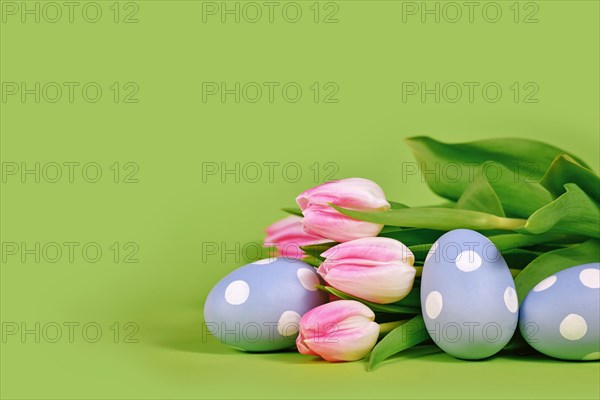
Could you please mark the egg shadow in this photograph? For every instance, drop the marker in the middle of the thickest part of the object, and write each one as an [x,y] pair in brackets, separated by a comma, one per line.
[536,357]
[191,335]
[292,356]
[186,331]
[434,354]
[190,339]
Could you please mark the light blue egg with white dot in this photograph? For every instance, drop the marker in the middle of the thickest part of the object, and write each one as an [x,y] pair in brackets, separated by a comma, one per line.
[258,306]
[560,316]
[468,296]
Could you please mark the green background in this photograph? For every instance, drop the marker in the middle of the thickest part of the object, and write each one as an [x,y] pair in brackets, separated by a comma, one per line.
[172,214]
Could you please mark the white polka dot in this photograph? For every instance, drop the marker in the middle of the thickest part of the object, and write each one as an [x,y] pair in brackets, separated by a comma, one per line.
[432,250]
[265,261]
[573,327]
[289,323]
[434,304]
[592,356]
[590,277]
[545,284]
[511,300]
[307,278]
[237,292]
[468,261]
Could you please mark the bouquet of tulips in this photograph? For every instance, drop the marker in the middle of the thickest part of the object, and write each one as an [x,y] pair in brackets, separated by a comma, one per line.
[536,204]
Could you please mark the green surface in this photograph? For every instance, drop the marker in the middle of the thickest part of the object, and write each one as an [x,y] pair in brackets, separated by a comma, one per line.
[181,223]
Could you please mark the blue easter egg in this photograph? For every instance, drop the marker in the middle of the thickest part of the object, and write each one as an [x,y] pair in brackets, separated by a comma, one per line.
[560,316]
[468,296]
[258,306]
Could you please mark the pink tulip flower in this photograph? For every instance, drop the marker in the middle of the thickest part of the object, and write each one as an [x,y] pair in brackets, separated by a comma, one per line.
[353,193]
[376,269]
[340,331]
[288,234]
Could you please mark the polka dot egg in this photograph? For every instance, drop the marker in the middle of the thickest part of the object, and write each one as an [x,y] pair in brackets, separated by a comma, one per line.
[560,317]
[258,307]
[468,296]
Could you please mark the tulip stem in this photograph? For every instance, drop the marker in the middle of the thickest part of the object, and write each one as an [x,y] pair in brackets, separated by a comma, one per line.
[419,271]
[444,219]
[387,327]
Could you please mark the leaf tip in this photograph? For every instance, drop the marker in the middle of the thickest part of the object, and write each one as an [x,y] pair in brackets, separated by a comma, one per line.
[371,363]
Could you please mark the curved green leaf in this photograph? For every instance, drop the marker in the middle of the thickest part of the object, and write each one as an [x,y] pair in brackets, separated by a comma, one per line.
[480,196]
[565,169]
[405,336]
[518,193]
[507,151]
[554,261]
[572,213]
[516,167]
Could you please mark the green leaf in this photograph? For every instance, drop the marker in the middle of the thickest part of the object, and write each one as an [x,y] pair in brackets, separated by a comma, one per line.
[511,152]
[513,168]
[401,338]
[555,261]
[516,240]
[265,252]
[420,250]
[313,261]
[390,229]
[480,196]
[396,205]
[519,258]
[392,308]
[316,250]
[565,169]
[572,213]
[435,218]
[446,204]
[293,211]
[411,236]
[412,299]
[518,193]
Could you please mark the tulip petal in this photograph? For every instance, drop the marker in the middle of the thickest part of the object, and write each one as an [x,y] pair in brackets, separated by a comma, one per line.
[382,284]
[339,331]
[371,249]
[327,222]
[333,313]
[288,235]
[354,193]
[346,345]
[302,347]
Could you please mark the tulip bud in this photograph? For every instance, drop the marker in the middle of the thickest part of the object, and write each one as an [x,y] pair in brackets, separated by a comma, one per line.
[353,193]
[376,269]
[340,331]
[288,234]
